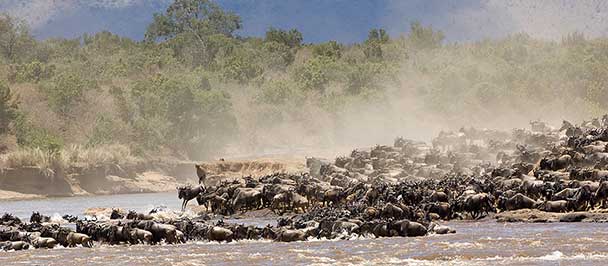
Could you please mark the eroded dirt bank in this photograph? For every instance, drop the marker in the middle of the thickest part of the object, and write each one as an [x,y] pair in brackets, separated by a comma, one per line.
[152,176]
[537,216]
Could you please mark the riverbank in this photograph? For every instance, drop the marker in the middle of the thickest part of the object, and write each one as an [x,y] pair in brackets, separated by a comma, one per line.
[151,176]
[537,216]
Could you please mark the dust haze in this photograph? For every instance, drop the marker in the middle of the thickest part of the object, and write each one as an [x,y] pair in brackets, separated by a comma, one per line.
[405,106]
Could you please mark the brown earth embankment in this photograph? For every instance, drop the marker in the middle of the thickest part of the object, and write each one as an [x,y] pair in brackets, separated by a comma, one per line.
[537,216]
[144,177]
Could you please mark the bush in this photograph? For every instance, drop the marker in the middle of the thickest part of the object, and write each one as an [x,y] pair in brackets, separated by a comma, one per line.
[372,50]
[104,132]
[30,136]
[8,108]
[240,68]
[424,37]
[31,72]
[292,38]
[314,74]
[276,92]
[65,91]
[280,55]
[177,113]
[330,49]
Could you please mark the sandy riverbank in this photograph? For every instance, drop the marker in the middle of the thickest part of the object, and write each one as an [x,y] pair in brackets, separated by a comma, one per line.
[150,177]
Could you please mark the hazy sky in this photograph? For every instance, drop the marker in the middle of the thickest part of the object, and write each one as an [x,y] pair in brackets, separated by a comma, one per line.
[322,20]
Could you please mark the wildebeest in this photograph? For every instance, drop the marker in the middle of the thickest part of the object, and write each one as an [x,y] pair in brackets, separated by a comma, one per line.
[188,193]
[201,173]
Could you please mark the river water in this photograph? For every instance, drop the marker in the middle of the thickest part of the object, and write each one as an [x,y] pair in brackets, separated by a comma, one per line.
[475,243]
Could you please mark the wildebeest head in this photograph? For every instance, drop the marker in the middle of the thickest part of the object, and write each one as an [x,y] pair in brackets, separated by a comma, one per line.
[36,217]
[131,215]
[182,191]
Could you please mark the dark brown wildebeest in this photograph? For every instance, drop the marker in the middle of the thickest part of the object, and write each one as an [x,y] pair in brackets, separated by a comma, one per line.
[188,193]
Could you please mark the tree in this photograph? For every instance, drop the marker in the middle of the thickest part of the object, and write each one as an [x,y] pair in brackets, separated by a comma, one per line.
[372,49]
[292,38]
[378,35]
[66,90]
[195,29]
[314,73]
[424,37]
[330,49]
[199,18]
[8,107]
[15,38]
[175,112]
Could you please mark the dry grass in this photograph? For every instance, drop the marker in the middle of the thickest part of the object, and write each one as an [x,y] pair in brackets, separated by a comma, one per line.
[28,158]
[74,156]
[80,156]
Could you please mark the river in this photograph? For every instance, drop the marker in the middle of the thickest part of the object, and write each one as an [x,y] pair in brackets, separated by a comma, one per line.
[475,243]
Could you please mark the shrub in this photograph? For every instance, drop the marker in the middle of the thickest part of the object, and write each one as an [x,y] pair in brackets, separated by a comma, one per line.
[65,91]
[314,74]
[8,108]
[30,136]
[331,49]
[31,72]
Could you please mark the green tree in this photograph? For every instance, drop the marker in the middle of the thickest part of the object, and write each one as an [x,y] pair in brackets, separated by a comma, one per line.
[199,18]
[280,55]
[424,37]
[15,38]
[8,108]
[65,91]
[176,112]
[292,38]
[331,49]
[196,30]
[378,35]
[240,67]
[372,49]
[32,136]
[314,73]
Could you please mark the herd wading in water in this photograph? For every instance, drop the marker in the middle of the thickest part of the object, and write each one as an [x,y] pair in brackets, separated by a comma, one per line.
[409,189]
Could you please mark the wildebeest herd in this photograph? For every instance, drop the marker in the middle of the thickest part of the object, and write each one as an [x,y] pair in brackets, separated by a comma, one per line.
[399,190]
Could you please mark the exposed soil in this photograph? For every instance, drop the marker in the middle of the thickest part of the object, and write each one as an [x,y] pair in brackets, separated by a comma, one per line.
[32,182]
[237,169]
[536,216]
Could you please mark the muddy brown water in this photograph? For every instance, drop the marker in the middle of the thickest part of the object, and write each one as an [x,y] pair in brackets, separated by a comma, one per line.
[475,243]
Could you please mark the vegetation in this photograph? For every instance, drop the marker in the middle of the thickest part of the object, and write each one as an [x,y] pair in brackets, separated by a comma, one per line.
[195,89]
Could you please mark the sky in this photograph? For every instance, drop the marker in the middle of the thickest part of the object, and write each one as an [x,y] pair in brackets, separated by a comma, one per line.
[346,21]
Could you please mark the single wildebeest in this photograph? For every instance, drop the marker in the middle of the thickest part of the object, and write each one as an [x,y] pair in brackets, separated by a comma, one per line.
[601,195]
[564,194]
[247,198]
[439,196]
[116,214]
[409,228]
[554,206]
[159,231]
[137,235]
[188,193]
[41,242]
[133,215]
[39,218]
[287,235]
[15,245]
[216,233]
[582,199]
[201,173]
[478,204]
[516,202]
[74,239]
